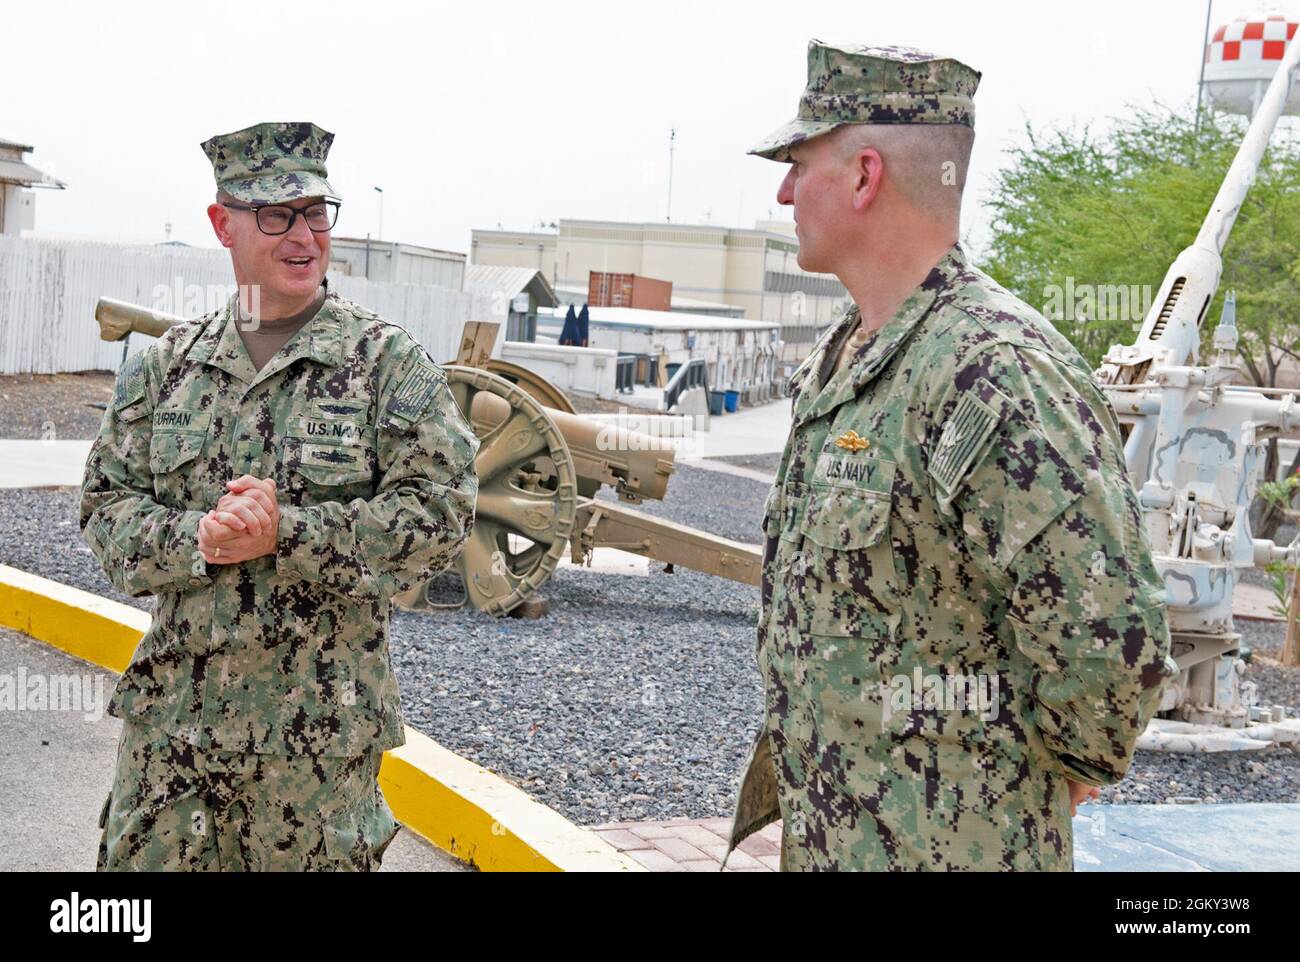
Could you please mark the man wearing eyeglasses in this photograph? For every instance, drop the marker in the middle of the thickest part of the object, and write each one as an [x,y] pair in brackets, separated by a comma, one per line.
[273,473]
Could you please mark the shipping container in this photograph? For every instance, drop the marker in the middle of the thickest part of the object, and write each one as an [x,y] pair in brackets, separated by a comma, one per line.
[606,289]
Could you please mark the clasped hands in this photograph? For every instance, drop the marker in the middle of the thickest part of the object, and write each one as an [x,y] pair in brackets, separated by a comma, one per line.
[244,523]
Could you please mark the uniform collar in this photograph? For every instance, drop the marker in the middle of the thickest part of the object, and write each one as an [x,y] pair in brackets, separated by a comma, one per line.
[320,339]
[871,358]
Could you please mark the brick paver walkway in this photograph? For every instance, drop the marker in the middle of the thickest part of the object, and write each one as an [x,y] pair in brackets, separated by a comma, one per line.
[693,845]
[1253,601]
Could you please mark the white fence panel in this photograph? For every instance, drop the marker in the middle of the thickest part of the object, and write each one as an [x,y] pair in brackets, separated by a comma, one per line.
[48,290]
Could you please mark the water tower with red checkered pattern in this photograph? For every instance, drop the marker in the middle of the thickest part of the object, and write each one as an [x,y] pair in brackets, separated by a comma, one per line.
[1242,57]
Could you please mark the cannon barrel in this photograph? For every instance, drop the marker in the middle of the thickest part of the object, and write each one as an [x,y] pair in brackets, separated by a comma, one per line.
[118,319]
[636,465]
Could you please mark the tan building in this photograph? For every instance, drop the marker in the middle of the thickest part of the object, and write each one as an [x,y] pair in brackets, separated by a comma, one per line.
[755,270]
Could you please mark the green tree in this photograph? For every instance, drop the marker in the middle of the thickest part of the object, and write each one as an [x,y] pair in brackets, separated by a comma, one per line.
[1108,212]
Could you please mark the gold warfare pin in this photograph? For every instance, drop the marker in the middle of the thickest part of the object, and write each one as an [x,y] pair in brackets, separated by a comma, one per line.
[852,441]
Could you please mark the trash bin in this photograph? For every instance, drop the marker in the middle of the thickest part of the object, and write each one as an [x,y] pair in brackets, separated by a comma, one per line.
[733,399]
[717,401]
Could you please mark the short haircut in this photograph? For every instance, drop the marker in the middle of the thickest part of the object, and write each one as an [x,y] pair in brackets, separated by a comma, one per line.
[927,163]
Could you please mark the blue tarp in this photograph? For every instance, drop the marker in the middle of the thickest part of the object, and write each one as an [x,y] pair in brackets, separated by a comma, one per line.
[569,333]
[584,326]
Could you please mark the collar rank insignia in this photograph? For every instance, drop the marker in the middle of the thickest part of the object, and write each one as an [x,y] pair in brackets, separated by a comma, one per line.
[852,441]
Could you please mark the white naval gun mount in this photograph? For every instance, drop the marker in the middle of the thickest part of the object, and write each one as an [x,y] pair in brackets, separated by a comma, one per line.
[1194,444]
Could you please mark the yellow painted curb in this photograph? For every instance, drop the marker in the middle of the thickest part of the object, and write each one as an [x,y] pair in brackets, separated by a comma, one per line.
[457,805]
[95,629]
[481,818]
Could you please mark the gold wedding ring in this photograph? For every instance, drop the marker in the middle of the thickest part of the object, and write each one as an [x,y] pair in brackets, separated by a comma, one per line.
[216,552]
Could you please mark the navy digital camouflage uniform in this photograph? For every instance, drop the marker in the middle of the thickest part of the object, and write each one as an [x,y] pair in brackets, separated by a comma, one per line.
[258,705]
[953,504]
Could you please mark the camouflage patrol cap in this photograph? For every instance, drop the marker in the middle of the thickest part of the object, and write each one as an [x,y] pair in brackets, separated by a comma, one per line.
[858,84]
[271,163]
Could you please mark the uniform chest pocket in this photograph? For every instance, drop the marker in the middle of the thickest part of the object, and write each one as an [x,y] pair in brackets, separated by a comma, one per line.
[177,439]
[331,465]
[174,464]
[845,519]
[171,450]
[326,453]
[848,581]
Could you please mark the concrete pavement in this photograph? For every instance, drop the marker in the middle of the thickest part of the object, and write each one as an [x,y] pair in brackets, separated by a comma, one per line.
[42,464]
[56,767]
[751,430]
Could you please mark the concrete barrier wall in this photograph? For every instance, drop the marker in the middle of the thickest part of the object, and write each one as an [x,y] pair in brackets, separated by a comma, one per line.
[582,370]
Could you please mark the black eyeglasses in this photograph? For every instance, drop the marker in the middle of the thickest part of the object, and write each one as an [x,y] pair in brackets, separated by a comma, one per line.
[276,219]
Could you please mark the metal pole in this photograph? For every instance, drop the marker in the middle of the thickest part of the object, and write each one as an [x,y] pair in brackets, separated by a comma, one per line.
[1205,53]
[380,235]
[672,138]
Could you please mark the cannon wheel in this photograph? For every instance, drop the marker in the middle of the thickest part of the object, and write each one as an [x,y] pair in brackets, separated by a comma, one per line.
[513,498]
[532,382]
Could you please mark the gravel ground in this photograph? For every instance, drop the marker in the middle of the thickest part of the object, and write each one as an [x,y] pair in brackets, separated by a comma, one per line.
[721,504]
[594,405]
[758,462]
[55,406]
[635,698]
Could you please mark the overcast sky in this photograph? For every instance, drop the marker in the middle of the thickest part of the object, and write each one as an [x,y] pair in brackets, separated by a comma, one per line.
[479,113]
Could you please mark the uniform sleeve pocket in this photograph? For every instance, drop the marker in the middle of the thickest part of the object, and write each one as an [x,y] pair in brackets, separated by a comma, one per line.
[133,411]
[1003,476]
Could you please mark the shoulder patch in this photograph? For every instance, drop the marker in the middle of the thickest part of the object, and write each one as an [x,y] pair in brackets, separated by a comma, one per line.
[130,381]
[416,391]
[962,439]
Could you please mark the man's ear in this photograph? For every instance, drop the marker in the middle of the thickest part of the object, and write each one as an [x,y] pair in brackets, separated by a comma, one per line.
[868,173]
[220,218]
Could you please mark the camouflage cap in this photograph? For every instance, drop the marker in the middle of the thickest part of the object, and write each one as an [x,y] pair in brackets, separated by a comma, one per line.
[858,84]
[270,163]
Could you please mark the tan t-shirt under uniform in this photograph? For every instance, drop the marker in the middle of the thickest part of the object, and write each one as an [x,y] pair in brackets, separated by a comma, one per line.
[264,340]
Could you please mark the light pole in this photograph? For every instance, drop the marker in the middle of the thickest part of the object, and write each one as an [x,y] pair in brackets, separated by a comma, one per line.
[380,235]
[1205,52]
[672,142]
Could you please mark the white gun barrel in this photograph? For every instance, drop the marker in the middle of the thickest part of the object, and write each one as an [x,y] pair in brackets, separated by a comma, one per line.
[1174,321]
[1241,175]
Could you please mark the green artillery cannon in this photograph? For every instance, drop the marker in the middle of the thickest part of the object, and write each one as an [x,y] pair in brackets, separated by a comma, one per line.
[539,467]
